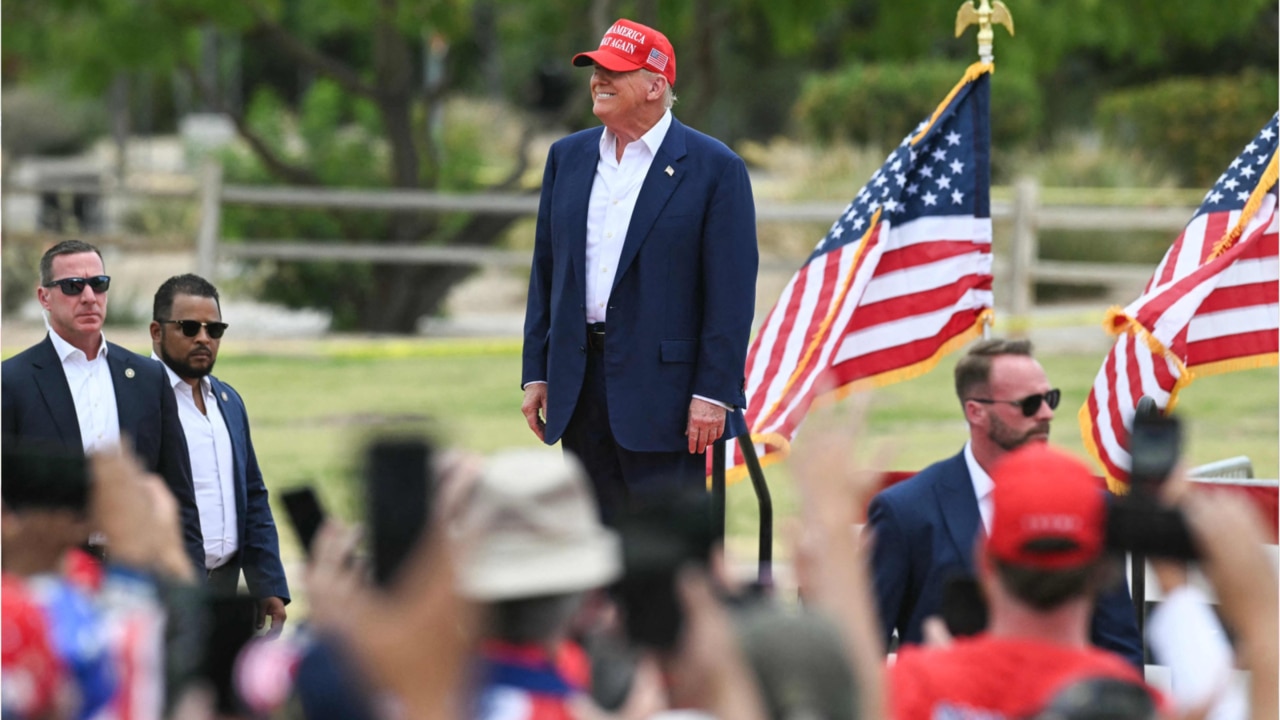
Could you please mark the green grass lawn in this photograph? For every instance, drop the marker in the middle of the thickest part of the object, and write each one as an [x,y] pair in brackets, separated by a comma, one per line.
[311,410]
[312,405]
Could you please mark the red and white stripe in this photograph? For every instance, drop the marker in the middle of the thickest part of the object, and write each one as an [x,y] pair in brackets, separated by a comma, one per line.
[1199,313]
[869,313]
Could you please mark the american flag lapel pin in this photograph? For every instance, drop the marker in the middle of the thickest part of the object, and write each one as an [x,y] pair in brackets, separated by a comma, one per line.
[669,171]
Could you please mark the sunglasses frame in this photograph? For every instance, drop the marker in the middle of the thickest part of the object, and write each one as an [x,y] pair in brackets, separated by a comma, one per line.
[65,284]
[215,329]
[1024,403]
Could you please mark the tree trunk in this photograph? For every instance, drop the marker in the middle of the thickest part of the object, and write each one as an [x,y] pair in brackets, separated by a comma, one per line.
[705,80]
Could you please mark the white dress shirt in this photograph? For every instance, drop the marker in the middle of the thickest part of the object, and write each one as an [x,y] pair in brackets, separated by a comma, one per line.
[212,470]
[982,487]
[92,392]
[613,199]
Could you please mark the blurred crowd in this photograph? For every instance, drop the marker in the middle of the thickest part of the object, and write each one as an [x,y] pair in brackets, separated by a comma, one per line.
[510,599]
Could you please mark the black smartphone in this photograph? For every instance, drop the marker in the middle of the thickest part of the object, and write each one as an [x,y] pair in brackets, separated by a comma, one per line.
[232,623]
[1142,526]
[305,513]
[964,609]
[36,474]
[657,540]
[399,490]
[1155,444]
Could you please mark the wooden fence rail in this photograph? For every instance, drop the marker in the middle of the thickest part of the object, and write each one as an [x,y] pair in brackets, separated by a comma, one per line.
[1026,207]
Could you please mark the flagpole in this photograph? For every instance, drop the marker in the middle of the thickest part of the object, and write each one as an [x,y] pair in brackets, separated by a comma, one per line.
[984,15]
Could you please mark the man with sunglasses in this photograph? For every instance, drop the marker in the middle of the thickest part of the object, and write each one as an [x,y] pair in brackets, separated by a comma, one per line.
[79,390]
[235,517]
[926,526]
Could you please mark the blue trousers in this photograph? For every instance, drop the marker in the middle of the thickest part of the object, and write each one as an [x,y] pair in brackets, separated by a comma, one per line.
[623,479]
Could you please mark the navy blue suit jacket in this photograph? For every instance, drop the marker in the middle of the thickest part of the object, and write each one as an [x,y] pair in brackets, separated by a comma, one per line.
[37,404]
[259,554]
[679,315]
[925,529]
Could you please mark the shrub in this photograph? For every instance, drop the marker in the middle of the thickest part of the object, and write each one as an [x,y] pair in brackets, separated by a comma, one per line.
[879,104]
[49,121]
[1193,125]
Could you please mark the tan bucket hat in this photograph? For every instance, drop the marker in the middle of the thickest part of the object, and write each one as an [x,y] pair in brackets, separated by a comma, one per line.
[532,529]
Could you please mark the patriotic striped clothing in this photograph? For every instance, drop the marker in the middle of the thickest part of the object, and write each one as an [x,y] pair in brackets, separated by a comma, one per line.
[29,668]
[522,682]
[80,639]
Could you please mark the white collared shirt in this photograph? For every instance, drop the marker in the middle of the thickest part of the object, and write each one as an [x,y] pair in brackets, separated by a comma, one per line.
[212,468]
[982,487]
[92,393]
[613,199]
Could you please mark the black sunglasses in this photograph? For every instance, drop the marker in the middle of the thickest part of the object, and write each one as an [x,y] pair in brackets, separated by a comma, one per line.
[75,285]
[1030,404]
[191,328]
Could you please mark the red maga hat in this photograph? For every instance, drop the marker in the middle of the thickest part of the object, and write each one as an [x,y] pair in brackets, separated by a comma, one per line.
[1048,510]
[630,46]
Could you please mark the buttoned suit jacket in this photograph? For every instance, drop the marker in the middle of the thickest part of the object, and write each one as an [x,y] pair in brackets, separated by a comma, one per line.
[680,308]
[259,553]
[37,405]
[924,533]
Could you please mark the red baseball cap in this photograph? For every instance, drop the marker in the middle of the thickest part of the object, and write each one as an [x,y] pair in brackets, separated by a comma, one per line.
[630,46]
[1048,510]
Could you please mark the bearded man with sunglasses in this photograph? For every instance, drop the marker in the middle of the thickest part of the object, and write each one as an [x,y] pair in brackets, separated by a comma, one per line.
[235,516]
[78,390]
[925,528]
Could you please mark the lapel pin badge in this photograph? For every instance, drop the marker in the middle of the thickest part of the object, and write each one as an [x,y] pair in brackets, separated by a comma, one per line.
[670,172]
[128,372]
[224,396]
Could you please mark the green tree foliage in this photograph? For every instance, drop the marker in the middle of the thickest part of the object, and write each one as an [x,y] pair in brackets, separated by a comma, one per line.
[878,104]
[363,118]
[1195,124]
[347,92]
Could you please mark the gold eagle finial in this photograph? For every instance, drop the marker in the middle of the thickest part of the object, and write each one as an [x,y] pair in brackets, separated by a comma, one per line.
[984,13]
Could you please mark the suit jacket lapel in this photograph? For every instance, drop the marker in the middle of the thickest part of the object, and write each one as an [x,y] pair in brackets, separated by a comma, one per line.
[575,187]
[122,379]
[959,508]
[239,455]
[657,189]
[52,383]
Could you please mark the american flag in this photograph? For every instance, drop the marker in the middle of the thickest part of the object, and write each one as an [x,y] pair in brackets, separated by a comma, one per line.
[902,277]
[658,59]
[1211,307]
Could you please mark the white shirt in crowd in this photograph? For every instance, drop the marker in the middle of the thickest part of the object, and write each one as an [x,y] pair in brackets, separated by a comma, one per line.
[212,470]
[92,393]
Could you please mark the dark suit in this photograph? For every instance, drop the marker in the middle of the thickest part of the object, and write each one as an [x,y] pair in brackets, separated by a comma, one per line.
[259,545]
[680,309]
[37,404]
[925,528]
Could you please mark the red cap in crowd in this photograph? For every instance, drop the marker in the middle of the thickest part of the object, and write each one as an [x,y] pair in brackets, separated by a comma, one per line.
[630,46]
[1048,511]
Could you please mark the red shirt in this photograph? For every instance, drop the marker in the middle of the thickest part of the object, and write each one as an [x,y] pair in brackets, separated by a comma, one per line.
[29,667]
[985,677]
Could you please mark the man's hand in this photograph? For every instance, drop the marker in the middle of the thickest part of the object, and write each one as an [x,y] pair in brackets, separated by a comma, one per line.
[706,425]
[274,607]
[534,408]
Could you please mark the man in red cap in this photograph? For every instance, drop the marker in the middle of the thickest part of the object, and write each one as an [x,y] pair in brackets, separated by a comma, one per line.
[1040,569]
[925,526]
[643,283]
